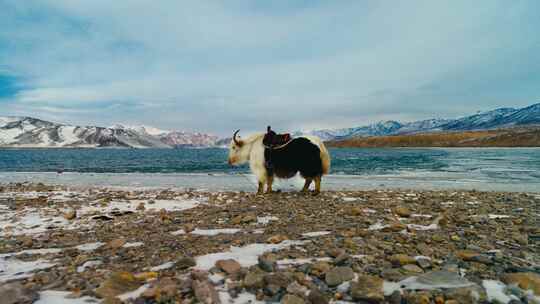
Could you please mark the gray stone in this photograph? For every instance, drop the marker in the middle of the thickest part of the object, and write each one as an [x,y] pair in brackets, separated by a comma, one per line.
[185,263]
[338,275]
[254,279]
[272,290]
[317,297]
[368,288]
[267,262]
[15,293]
[424,263]
[205,292]
[279,279]
[292,299]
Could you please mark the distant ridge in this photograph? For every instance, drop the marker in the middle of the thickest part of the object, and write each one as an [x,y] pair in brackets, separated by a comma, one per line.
[29,132]
[494,119]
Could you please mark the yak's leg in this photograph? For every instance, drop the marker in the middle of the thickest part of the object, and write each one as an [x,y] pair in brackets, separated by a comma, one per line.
[269,181]
[306,184]
[260,189]
[317,185]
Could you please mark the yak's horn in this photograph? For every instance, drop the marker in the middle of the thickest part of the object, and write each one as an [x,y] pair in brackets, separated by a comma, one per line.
[238,143]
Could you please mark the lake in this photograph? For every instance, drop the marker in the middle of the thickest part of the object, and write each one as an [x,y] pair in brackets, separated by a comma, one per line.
[508,169]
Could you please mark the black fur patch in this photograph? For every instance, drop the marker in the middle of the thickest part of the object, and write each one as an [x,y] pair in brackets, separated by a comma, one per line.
[300,155]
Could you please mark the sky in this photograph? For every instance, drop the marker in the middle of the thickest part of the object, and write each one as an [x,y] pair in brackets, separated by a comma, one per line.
[217,66]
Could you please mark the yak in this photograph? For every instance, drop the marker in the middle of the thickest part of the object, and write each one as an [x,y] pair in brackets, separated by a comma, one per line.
[306,154]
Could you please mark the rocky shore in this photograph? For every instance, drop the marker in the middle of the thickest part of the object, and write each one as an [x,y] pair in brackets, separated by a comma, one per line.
[98,245]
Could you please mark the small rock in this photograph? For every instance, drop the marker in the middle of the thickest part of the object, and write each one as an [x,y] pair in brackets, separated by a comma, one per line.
[15,293]
[276,239]
[368,288]
[467,255]
[525,280]
[423,297]
[144,276]
[403,211]
[278,279]
[394,227]
[292,299]
[424,263]
[272,290]
[319,268]
[254,279]
[117,243]
[402,259]
[189,228]
[205,292]
[296,289]
[412,268]
[317,297]
[141,206]
[70,214]
[338,275]
[267,262]
[185,263]
[230,266]
[117,283]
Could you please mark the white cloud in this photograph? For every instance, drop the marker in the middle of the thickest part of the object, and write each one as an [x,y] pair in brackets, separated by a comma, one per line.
[204,65]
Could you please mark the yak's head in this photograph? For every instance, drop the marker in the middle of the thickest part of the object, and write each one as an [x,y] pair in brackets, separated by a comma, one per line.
[238,151]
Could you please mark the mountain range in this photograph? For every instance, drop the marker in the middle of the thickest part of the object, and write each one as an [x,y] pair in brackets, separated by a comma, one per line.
[495,119]
[36,133]
[28,132]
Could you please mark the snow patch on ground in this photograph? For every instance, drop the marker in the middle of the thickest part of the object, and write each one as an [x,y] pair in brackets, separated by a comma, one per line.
[378,226]
[292,262]
[212,232]
[88,264]
[242,298]
[32,221]
[168,205]
[163,266]
[32,252]
[315,233]
[14,269]
[495,291]
[89,246]
[133,244]
[264,220]
[134,294]
[246,256]
[60,297]
[423,227]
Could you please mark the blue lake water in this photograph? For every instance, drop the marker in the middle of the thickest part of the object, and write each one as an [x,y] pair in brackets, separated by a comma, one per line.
[509,169]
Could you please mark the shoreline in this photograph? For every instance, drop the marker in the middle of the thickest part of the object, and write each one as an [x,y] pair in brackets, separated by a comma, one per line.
[150,245]
[414,179]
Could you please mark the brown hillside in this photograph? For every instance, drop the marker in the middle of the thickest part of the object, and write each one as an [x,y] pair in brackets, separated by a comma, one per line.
[517,137]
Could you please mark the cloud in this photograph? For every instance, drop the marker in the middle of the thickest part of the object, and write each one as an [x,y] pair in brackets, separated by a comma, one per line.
[215,67]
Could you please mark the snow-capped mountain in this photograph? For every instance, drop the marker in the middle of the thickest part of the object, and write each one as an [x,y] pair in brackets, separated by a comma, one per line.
[36,133]
[498,118]
[185,139]
[142,129]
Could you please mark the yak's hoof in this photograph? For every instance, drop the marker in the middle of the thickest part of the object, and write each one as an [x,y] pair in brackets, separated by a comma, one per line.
[315,193]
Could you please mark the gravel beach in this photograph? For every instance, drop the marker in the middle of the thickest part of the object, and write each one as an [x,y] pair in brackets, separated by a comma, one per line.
[75,245]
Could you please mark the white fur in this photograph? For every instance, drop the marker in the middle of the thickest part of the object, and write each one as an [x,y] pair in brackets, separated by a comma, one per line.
[252,151]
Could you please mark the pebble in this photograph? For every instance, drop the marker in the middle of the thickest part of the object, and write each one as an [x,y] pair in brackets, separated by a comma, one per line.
[368,288]
[338,275]
[15,293]
[403,211]
[292,299]
[230,266]
[525,280]
[205,292]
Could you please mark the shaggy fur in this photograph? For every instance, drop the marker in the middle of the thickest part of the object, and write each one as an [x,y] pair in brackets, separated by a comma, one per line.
[306,155]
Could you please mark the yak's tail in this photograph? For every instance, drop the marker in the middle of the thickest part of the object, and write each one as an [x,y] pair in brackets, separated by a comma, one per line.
[325,156]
